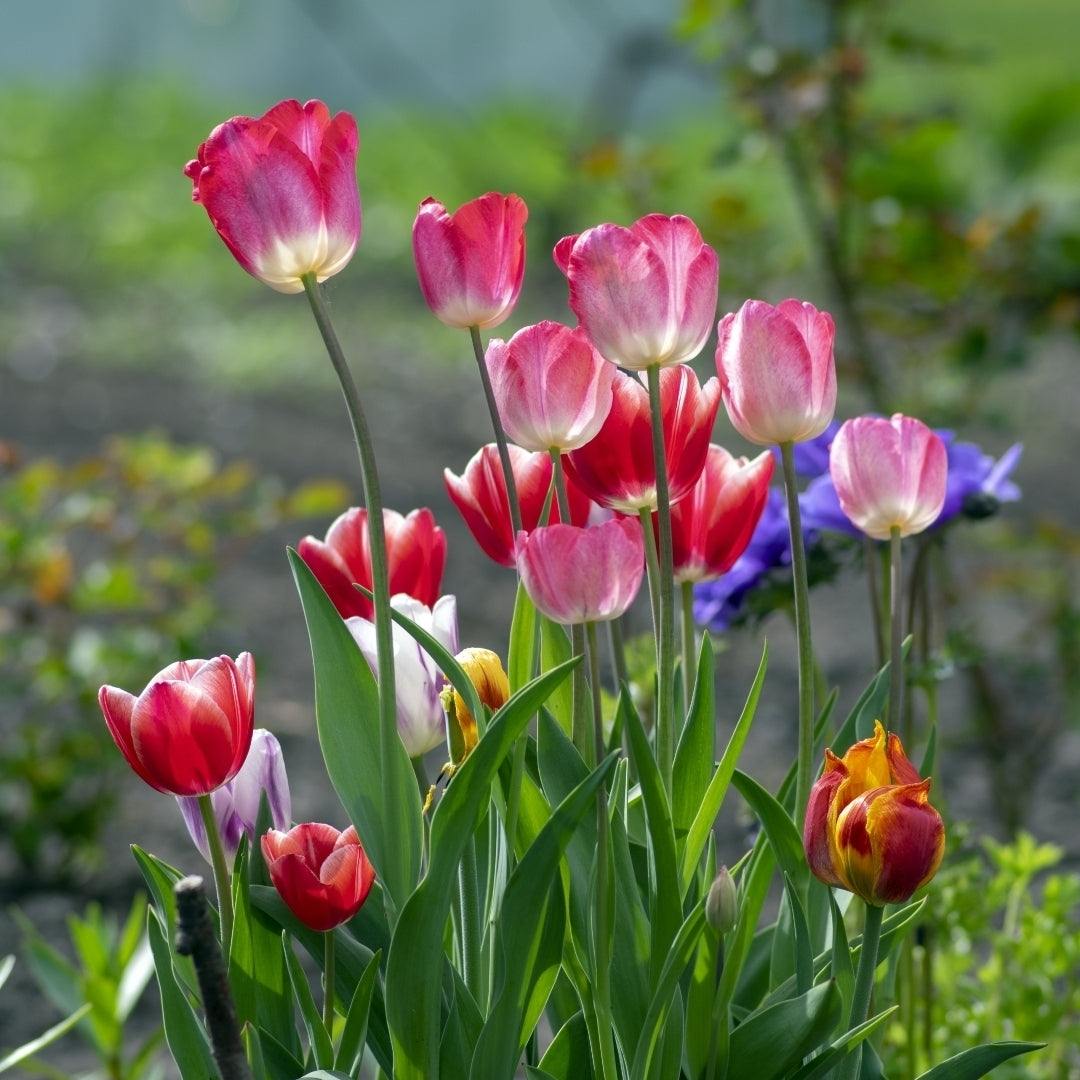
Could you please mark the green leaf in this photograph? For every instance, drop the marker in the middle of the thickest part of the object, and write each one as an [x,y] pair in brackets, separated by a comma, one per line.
[705,818]
[779,828]
[769,1043]
[839,1048]
[979,1060]
[413,995]
[569,1057]
[555,649]
[696,754]
[800,944]
[28,1050]
[384,809]
[531,931]
[521,653]
[354,1034]
[318,1037]
[7,964]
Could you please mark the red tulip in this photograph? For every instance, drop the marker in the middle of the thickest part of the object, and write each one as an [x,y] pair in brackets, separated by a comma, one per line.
[616,469]
[777,371]
[471,263]
[711,527]
[869,826]
[552,388]
[281,191]
[190,730]
[415,555]
[889,474]
[480,495]
[323,875]
[576,575]
[645,295]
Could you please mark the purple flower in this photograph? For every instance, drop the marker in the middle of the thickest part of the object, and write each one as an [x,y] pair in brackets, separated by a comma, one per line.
[236,803]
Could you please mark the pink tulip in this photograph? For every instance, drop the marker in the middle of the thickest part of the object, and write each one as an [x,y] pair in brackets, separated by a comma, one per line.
[552,388]
[480,496]
[712,526]
[576,575]
[777,371]
[471,263]
[889,474]
[616,469]
[281,191]
[190,730]
[415,554]
[645,295]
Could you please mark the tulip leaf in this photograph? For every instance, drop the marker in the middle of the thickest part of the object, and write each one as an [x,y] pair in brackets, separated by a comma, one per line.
[772,1041]
[555,649]
[696,753]
[28,1050]
[281,1064]
[569,1055]
[521,654]
[782,834]
[350,1049]
[839,1048]
[979,1060]
[705,817]
[384,809]
[318,1037]
[413,995]
[665,903]
[531,931]
[799,943]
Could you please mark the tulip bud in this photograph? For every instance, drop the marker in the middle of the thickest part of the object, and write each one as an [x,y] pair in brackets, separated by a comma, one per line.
[722,902]
[485,672]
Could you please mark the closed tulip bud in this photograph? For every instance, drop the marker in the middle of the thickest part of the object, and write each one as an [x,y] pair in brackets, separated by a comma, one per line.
[236,802]
[577,575]
[415,556]
[190,730]
[889,474]
[323,875]
[486,673]
[471,263]
[480,496]
[777,371]
[645,295]
[722,902]
[869,826]
[281,191]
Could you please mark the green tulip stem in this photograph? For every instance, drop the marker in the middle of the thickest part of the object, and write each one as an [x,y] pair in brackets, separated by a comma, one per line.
[896,637]
[380,580]
[221,871]
[558,481]
[864,985]
[805,768]
[328,982]
[579,722]
[500,435]
[686,589]
[665,591]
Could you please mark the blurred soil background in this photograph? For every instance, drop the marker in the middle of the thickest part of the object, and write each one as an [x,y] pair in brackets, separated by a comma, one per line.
[911,167]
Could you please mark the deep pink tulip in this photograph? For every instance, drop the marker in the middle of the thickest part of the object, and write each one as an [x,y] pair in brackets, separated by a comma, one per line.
[645,295]
[323,875]
[777,371]
[471,263]
[552,388]
[576,575]
[889,473]
[281,191]
[480,495]
[711,527]
[190,730]
[415,554]
[616,468]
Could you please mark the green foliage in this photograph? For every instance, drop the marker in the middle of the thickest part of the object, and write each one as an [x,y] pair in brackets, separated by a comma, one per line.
[104,573]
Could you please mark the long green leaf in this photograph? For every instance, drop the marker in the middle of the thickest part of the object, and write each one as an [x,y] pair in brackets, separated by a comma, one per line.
[568,1057]
[413,995]
[555,649]
[322,1049]
[779,828]
[831,1055]
[350,1049]
[347,717]
[28,1050]
[521,653]
[979,1060]
[694,758]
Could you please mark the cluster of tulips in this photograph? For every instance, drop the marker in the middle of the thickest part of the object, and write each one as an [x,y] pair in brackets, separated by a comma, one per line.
[602,472]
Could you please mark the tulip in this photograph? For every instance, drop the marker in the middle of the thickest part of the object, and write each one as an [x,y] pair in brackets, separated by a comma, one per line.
[869,826]
[551,386]
[236,802]
[722,902]
[713,525]
[486,673]
[777,371]
[645,295]
[471,263]
[421,722]
[889,474]
[576,575]
[480,496]
[616,468]
[281,191]
[323,875]
[415,555]
[189,731]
